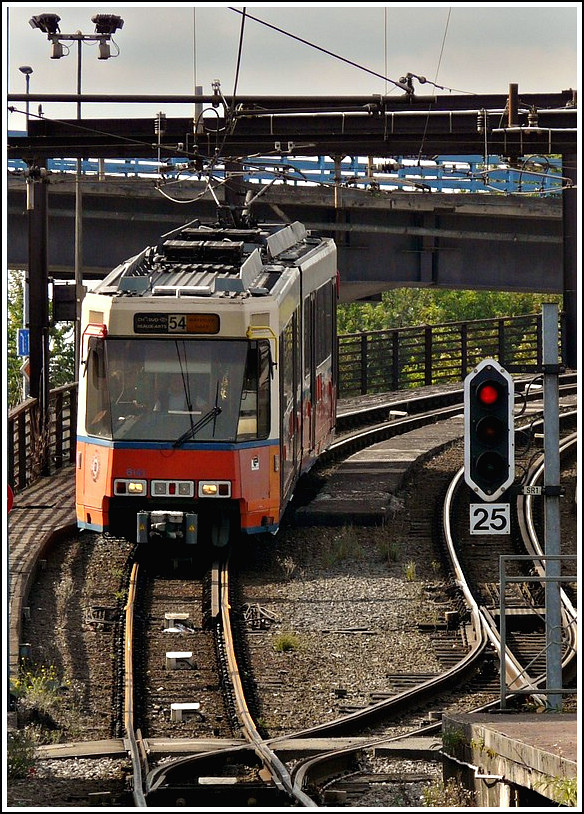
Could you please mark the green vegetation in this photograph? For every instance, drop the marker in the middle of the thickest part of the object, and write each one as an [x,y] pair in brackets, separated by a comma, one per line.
[564,789]
[410,571]
[447,795]
[37,686]
[342,545]
[452,738]
[61,347]
[406,307]
[285,642]
[20,748]
[48,706]
[389,550]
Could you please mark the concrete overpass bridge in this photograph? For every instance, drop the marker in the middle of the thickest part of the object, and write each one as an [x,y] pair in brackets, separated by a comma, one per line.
[386,239]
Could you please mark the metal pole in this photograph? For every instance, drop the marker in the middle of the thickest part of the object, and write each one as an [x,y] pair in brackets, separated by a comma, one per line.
[27,102]
[502,636]
[571,224]
[553,614]
[78,231]
[25,324]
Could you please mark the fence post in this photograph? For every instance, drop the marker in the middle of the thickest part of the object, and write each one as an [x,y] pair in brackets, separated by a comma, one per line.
[463,350]
[22,451]
[428,355]
[501,341]
[363,364]
[58,459]
[395,360]
[11,481]
[72,422]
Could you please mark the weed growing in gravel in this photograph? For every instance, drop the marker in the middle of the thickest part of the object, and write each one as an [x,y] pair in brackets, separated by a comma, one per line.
[37,685]
[19,754]
[453,738]
[288,566]
[49,706]
[343,545]
[389,550]
[285,642]
[450,794]
[410,571]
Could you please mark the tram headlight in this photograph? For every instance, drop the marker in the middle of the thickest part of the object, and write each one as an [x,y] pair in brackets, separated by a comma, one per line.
[127,486]
[214,488]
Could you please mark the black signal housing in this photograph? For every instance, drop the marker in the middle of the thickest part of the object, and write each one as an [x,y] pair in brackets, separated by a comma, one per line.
[489,435]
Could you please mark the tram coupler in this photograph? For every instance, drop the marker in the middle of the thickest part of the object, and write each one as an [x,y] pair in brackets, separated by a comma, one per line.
[167,525]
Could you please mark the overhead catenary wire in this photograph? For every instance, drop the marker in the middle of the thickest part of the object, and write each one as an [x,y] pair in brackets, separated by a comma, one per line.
[218,158]
[401,85]
[435,78]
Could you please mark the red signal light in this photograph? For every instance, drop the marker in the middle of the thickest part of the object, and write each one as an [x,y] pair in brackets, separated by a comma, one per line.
[488,393]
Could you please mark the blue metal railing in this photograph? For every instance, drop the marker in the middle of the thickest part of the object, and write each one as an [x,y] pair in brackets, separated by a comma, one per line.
[456,173]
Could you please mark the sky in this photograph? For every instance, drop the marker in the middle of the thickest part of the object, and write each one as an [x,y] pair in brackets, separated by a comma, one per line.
[467,48]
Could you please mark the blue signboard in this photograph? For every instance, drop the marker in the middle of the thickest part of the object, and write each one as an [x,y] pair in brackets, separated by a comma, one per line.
[22,340]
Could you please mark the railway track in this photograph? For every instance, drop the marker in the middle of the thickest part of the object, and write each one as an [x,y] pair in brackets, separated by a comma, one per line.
[258,773]
[524,660]
[162,780]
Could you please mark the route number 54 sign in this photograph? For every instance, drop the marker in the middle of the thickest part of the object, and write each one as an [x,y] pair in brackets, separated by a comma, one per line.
[490,518]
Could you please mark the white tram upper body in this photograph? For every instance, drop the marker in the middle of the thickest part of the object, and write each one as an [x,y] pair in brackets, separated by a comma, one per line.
[207,383]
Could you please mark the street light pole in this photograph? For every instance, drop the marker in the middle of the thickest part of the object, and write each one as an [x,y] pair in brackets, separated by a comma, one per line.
[78,229]
[26,70]
[105,26]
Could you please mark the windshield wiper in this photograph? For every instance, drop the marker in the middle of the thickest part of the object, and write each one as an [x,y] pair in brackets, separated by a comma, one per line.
[192,431]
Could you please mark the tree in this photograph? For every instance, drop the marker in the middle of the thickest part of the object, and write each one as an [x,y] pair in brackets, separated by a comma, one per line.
[406,307]
[61,344]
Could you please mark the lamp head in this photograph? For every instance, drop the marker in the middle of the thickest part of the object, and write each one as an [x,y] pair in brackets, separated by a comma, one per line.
[25,69]
[107,24]
[48,23]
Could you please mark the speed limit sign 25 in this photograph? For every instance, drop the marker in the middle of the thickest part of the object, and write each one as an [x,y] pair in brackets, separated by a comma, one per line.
[490,518]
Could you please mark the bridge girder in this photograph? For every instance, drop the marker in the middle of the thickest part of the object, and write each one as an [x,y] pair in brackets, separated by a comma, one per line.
[385,240]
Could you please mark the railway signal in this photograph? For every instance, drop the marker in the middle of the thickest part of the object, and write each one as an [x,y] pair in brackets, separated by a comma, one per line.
[489,436]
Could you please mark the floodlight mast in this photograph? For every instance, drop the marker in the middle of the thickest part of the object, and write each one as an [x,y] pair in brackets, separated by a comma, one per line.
[105,26]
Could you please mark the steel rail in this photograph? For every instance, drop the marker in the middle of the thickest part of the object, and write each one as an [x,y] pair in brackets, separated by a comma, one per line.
[514,670]
[525,515]
[534,547]
[277,769]
[132,743]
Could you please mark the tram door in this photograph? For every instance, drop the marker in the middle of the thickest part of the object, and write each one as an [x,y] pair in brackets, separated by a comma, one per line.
[290,404]
[309,375]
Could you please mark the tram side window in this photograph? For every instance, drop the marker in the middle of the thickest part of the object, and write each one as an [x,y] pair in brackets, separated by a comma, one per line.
[324,324]
[307,338]
[254,412]
[98,415]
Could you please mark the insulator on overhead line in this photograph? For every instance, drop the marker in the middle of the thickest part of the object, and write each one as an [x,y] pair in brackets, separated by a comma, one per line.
[481,121]
[160,124]
[532,118]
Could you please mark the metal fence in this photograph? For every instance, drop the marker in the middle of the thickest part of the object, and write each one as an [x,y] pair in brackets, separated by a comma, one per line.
[36,445]
[402,358]
[369,362]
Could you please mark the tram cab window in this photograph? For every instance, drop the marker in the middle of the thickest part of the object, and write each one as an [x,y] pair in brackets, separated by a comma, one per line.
[254,414]
[98,414]
[132,381]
